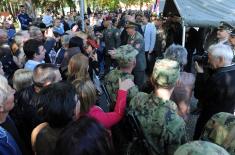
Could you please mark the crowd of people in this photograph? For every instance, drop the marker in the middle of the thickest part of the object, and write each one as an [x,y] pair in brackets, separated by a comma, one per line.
[122,86]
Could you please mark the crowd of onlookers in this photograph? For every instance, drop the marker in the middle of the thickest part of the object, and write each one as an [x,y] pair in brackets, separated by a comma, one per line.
[122,86]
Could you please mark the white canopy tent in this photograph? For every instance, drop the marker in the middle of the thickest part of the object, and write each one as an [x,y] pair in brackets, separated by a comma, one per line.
[201,13]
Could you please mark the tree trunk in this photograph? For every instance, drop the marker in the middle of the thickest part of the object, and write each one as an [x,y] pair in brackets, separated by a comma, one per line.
[141,4]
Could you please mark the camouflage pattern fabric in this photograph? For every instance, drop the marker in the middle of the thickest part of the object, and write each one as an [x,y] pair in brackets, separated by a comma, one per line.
[160,121]
[125,54]
[220,129]
[112,84]
[165,72]
[200,148]
[137,41]
[111,38]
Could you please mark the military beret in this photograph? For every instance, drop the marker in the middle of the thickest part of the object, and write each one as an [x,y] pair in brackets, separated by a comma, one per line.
[93,43]
[108,18]
[200,148]
[165,72]
[225,26]
[125,54]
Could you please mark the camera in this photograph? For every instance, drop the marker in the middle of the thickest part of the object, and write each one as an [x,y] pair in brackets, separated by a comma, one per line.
[201,59]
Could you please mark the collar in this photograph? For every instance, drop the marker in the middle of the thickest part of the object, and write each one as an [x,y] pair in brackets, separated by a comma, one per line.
[160,102]
[226,68]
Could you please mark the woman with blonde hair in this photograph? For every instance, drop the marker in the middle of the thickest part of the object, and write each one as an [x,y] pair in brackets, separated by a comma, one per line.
[87,93]
[78,68]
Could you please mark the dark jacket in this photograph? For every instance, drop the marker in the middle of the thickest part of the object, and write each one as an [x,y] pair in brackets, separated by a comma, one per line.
[24,21]
[68,55]
[217,92]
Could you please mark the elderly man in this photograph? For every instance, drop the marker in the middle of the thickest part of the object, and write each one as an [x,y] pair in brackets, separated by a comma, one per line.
[25,111]
[8,144]
[215,92]
[157,113]
[137,41]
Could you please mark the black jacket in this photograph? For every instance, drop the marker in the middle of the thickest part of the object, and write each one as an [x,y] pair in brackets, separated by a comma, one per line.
[217,92]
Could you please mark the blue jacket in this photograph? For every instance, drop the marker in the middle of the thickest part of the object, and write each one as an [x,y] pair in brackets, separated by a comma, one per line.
[8,145]
[150,33]
[24,21]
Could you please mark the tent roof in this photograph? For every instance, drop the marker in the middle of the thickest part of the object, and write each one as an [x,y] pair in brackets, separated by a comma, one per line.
[202,13]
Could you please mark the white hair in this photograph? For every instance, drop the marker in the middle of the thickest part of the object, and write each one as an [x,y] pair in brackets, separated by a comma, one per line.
[221,50]
[3,90]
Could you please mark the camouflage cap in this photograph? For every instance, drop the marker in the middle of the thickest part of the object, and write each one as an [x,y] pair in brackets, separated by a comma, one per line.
[165,72]
[200,148]
[220,130]
[125,54]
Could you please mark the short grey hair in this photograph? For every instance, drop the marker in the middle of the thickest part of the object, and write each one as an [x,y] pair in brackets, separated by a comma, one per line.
[19,37]
[22,78]
[65,39]
[221,50]
[4,87]
[177,53]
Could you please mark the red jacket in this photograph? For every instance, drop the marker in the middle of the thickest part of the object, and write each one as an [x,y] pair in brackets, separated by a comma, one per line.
[110,118]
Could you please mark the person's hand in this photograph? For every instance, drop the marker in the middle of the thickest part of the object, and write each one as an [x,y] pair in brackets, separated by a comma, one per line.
[49,33]
[75,27]
[126,84]
[198,68]
[94,56]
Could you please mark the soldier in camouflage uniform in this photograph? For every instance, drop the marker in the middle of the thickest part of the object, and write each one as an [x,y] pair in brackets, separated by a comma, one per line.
[220,129]
[126,58]
[111,37]
[137,41]
[200,148]
[157,113]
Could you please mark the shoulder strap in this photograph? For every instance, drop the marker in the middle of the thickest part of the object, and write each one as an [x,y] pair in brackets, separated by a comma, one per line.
[140,131]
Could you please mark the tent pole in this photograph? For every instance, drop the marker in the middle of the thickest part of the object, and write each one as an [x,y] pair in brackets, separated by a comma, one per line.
[82,11]
[184,33]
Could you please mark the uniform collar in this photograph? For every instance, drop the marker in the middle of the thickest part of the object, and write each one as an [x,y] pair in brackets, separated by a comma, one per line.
[160,102]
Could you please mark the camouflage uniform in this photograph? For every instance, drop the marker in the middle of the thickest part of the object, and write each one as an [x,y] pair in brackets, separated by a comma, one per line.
[137,41]
[200,148]
[159,119]
[124,55]
[111,38]
[220,129]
